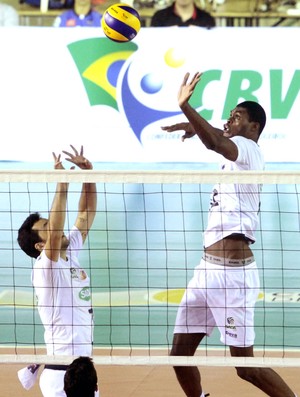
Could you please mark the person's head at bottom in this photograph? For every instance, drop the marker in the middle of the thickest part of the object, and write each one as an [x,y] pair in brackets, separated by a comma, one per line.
[81,378]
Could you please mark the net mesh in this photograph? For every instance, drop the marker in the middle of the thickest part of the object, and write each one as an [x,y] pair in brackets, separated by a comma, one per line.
[140,255]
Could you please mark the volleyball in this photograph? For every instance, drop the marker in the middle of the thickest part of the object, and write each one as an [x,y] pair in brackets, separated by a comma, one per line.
[121,22]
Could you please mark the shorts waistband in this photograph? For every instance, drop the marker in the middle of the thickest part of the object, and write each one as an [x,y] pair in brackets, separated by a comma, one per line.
[56,367]
[216,260]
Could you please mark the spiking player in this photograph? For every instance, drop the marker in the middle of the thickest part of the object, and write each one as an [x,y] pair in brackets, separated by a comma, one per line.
[225,285]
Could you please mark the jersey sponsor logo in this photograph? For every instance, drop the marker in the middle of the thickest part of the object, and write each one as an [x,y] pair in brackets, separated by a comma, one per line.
[85,294]
[78,274]
[230,326]
[230,323]
[231,334]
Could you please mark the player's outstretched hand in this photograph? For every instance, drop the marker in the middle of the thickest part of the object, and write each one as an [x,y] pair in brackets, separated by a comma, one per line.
[187,88]
[57,162]
[78,159]
[187,127]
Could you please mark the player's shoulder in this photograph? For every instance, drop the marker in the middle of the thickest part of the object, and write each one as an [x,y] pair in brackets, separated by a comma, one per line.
[243,140]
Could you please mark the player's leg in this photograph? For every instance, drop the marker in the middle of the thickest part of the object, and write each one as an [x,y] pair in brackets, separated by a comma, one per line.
[188,377]
[266,379]
[239,334]
[194,320]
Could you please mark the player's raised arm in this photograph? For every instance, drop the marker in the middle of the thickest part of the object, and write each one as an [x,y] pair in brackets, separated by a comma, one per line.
[211,137]
[88,199]
[54,226]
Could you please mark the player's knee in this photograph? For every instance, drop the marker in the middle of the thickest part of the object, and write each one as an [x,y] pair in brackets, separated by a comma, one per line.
[181,350]
[248,374]
[185,344]
[180,347]
[176,351]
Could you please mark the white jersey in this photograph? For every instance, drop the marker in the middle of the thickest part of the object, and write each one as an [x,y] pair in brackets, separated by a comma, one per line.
[234,207]
[64,301]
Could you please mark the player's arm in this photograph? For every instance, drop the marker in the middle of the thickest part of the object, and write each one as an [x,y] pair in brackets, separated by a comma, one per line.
[86,209]
[211,137]
[56,220]
[88,198]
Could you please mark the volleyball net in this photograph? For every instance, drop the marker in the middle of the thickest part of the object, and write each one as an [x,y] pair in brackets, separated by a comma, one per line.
[140,254]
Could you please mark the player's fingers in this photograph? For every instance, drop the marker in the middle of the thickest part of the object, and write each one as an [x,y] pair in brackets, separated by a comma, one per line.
[169,128]
[55,157]
[75,150]
[68,154]
[195,76]
[175,127]
[185,79]
[195,80]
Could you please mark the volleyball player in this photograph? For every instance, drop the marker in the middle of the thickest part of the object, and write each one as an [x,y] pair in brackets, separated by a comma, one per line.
[225,285]
[81,378]
[62,287]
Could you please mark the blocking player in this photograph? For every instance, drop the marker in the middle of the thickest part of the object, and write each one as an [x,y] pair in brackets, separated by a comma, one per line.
[62,287]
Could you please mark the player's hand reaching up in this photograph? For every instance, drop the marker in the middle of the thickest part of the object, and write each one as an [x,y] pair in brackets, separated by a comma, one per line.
[57,162]
[187,88]
[78,159]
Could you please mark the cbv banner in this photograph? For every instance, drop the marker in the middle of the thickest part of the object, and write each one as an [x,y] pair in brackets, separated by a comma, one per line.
[62,86]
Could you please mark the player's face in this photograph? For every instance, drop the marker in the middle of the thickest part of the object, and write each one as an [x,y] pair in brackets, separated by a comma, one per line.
[237,124]
[41,226]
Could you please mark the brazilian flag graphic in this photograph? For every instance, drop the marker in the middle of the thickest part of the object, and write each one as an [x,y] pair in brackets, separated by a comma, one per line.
[99,61]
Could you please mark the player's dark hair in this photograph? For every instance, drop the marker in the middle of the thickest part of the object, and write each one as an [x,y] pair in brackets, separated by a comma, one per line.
[27,237]
[81,378]
[255,112]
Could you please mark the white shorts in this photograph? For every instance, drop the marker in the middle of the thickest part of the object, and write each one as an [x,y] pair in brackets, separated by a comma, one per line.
[221,296]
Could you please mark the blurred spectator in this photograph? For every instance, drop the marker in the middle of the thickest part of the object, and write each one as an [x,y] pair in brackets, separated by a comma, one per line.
[182,13]
[8,15]
[82,15]
[51,4]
